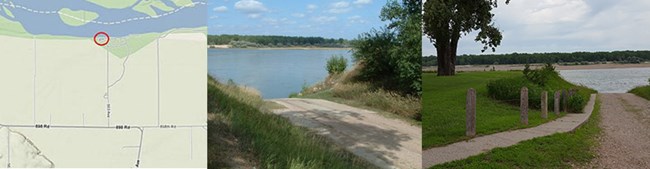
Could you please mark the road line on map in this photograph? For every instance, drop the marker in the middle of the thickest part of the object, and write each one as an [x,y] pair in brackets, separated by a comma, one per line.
[137,164]
[8,148]
[191,145]
[34,83]
[158,77]
[123,68]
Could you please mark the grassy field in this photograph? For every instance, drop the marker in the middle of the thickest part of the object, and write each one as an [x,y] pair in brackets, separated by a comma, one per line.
[642,91]
[262,139]
[562,150]
[444,107]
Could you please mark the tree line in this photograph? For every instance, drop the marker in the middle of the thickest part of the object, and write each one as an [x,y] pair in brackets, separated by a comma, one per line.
[275,41]
[561,58]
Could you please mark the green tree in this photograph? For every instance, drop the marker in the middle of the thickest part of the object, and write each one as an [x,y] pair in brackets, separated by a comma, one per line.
[391,56]
[445,21]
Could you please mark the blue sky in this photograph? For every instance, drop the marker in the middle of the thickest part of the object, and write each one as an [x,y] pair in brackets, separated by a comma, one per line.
[565,26]
[326,18]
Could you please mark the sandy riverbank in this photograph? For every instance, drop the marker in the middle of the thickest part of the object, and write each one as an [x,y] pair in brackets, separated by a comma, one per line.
[278,48]
[471,68]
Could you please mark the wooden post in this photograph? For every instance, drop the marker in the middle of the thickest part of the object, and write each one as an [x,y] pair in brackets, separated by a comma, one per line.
[557,103]
[523,102]
[565,100]
[470,113]
[544,104]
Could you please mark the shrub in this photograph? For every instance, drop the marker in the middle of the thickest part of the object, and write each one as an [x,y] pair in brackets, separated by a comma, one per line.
[537,81]
[540,76]
[576,103]
[509,91]
[336,64]
[392,56]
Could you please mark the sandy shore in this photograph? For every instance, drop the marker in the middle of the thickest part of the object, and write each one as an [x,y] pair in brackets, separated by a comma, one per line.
[282,48]
[219,46]
[471,68]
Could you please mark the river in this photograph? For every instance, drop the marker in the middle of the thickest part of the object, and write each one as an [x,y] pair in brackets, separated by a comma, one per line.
[275,73]
[618,80]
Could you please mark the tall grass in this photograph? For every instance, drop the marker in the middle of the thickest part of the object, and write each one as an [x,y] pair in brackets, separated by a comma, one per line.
[344,88]
[275,142]
[642,91]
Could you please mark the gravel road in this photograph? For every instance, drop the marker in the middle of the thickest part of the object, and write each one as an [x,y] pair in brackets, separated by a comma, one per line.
[625,142]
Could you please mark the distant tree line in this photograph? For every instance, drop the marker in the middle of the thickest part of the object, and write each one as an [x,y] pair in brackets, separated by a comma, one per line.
[560,58]
[275,41]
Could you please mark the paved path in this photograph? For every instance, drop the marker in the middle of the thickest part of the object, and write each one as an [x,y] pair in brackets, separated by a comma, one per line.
[385,142]
[475,146]
[625,142]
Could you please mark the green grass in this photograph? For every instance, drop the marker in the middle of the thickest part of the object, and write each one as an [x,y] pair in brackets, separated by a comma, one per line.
[273,140]
[444,107]
[642,91]
[562,150]
[343,88]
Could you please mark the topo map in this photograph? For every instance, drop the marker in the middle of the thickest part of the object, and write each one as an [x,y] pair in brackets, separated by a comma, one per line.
[103,83]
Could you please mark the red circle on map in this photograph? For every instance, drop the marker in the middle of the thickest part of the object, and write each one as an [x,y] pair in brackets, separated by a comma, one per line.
[101,33]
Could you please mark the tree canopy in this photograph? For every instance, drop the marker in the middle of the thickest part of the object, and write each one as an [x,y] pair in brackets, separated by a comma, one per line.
[445,21]
[391,56]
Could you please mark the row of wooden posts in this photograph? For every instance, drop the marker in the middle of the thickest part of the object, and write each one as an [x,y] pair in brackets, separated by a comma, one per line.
[470,109]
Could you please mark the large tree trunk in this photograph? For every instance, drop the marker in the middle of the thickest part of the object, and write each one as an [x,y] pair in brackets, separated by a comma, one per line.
[446,61]
[447,55]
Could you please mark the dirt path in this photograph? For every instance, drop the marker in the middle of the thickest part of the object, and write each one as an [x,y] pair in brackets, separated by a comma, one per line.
[385,142]
[625,142]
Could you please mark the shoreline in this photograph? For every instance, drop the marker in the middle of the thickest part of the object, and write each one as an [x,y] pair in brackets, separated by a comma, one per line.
[279,48]
[473,68]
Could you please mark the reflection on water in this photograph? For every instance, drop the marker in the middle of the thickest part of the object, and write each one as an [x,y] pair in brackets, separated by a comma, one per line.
[608,80]
[275,73]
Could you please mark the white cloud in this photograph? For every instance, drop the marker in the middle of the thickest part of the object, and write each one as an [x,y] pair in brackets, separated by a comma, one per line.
[324,19]
[214,17]
[565,26]
[252,8]
[298,15]
[312,7]
[220,9]
[356,19]
[304,26]
[275,22]
[339,7]
[362,2]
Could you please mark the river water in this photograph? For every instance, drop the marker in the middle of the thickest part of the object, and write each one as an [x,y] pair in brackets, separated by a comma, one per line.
[275,73]
[618,80]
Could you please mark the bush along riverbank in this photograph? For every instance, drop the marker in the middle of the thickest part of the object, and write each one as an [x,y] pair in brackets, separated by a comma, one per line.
[388,74]
[242,129]
[544,79]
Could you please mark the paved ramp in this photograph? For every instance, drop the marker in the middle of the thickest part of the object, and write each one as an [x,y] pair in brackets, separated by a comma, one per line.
[385,142]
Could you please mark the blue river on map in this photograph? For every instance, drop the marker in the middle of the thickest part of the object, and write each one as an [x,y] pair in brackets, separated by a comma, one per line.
[51,24]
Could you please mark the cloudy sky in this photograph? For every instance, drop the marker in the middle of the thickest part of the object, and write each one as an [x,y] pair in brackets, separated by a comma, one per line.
[565,26]
[326,18]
